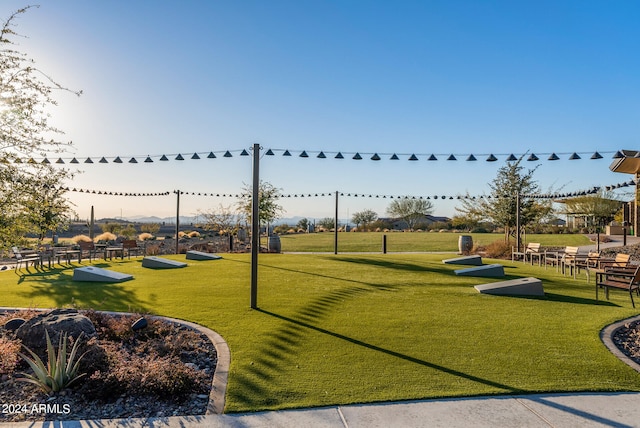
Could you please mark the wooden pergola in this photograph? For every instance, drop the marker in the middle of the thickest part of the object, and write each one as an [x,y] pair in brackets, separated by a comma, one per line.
[629,163]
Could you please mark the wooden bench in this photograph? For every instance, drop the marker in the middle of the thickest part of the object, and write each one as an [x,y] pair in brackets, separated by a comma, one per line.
[35,259]
[621,280]
[532,250]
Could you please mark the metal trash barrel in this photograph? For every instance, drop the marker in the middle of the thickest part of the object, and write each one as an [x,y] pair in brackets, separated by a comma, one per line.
[273,244]
[465,244]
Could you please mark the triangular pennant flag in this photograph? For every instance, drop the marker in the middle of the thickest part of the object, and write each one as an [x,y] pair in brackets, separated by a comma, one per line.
[179,157]
[321,155]
[512,158]
[596,155]
[394,157]
[532,158]
[88,160]
[74,160]
[148,159]
[553,157]
[244,153]
[133,160]
[117,160]
[451,158]
[59,160]
[357,156]
[413,157]
[103,160]
[432,158]
[211,156]
[195,156]
[269,153]
[492,158]
[304,154]
[164,158]
[575,156]
[339,156]
[375,157]
[471,158]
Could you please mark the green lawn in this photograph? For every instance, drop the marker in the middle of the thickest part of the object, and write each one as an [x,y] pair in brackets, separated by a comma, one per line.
[365,328]
[408,242]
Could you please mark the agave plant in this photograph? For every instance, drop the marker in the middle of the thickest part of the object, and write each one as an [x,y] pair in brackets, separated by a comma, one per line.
[61,369]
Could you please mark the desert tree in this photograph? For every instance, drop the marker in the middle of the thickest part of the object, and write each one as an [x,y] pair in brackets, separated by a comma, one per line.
[364,218]
[511,186]
[410,210]
[221,220]
[268,207]
[26,97]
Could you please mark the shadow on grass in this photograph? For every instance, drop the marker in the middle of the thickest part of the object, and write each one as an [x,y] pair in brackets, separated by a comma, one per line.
[280,349]
[56,285]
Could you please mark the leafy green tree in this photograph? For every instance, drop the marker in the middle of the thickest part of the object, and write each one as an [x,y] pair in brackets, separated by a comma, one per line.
[510,186]
[364,218]
[268,207]
[410,210]
[303,224]
[26,95]
[47,210]
[327,223]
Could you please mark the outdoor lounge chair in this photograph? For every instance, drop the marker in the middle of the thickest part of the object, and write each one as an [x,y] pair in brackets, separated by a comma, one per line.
[532,251]
[20,258]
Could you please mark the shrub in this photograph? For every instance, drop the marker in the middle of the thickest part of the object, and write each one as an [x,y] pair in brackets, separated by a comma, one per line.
[9,350]
[106,236]
[164,377]
[145,237]
[497,250]
[194,234]
[81,238]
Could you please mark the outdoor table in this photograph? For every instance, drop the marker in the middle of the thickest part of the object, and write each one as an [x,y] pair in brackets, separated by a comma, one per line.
[111,250]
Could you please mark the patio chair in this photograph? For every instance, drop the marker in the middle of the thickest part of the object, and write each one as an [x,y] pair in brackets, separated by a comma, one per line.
[131,246]
[35,259]
[621,280]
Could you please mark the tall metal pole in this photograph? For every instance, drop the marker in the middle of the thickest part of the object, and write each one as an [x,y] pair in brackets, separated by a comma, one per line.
[255,226]
[335,228]
[177,218]
[518,222]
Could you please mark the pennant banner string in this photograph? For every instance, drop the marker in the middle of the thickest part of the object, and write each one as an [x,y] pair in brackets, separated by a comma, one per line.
[590,191]
[488,157]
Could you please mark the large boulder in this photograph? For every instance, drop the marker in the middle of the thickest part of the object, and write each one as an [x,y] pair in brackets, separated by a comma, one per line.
[56,322]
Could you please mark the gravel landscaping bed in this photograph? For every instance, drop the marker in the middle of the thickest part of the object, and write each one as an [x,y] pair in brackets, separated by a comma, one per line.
[163,370]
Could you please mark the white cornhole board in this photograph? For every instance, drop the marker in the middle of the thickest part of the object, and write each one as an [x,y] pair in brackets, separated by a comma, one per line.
[199,255]
[94,274]
[516,287]
[493,271]
[154,262]
[467,260]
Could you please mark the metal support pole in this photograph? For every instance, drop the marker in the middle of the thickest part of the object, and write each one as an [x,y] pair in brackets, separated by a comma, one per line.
[177,218]
[384,244]
[518,243]
[335,228]
[255,226]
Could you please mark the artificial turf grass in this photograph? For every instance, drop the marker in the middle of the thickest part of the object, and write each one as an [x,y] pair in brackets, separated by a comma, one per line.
[410,241]
[362,328]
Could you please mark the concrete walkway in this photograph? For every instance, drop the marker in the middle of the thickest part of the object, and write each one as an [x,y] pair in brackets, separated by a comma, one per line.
[539,410]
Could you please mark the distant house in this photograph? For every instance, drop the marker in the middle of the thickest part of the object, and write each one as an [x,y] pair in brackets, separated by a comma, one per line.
[400,224]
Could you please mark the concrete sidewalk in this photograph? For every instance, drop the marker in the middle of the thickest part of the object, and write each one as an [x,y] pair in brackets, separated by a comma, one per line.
[538,410]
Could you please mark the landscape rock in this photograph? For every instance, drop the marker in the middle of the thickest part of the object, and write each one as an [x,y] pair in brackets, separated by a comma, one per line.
[14,324]
[56,322]
[139,324]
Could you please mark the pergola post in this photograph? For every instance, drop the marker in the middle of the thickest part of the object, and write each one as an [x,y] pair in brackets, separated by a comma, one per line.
[635,220]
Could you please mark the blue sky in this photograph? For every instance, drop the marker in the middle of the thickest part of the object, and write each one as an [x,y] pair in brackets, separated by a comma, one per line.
[461,77]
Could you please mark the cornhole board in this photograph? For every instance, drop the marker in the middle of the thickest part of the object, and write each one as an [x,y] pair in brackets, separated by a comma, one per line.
[154,262]
[516,287]
[95,274]
[199,255]
[493,271]
[466,260]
